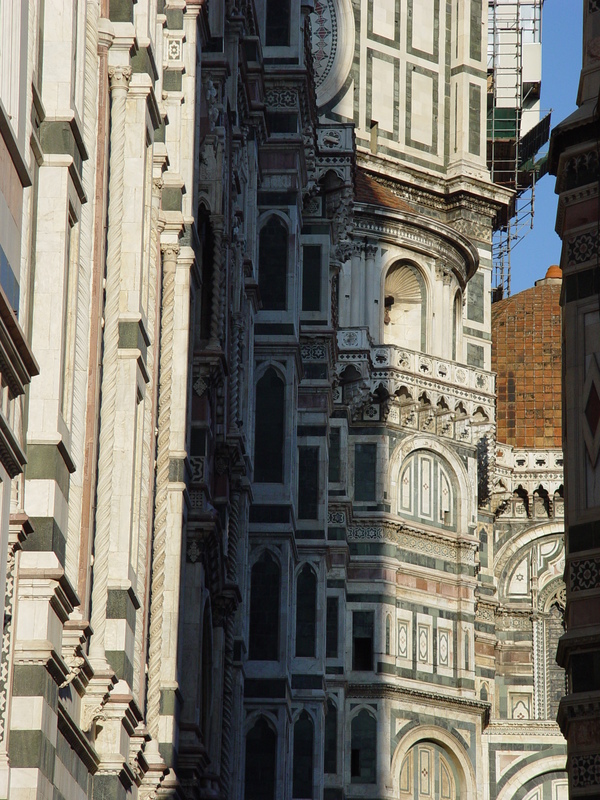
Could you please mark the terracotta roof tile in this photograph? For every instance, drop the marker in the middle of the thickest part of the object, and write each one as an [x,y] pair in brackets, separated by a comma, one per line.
[527,357]
[369,191]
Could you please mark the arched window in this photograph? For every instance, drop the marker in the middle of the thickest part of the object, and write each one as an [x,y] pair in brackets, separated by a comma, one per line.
[277,31]
[405,308]
[306,612]
[264,609]
[272,262]
[330,745]
[269,428]
[364,748]
[428,772]
[426,490]
[261,760]
[302,778]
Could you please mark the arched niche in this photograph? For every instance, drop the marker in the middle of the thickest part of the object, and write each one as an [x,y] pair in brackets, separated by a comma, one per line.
[405,308]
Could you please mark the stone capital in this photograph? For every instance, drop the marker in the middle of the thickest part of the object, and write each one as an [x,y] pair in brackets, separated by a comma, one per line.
[358,248]
[170,251]
[119,77]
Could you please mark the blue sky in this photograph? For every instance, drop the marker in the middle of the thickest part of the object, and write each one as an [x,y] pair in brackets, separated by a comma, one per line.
[561,65]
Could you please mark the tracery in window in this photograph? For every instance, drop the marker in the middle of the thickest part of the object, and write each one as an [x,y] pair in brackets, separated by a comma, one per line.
[428,773]
[426,490]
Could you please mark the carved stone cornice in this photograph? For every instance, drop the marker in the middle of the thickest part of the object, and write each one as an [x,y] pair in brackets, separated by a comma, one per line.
[390,691]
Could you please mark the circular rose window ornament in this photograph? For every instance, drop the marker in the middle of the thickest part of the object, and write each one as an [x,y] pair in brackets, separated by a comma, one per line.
[332,46]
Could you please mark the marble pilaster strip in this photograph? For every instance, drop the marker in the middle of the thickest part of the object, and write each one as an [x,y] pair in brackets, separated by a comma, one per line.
[169,265]
[119,82]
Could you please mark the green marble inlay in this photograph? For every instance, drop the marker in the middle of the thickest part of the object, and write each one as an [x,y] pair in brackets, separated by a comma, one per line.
[122,604]
[172,195]
[45,462]
[121,664]
[30,749]
[108,787]
[47,537]
[170,701]
[475,298]
[143,62]
[120,10]
[172,81]
[34,680]
[475,355]
[475,30]
[474,119]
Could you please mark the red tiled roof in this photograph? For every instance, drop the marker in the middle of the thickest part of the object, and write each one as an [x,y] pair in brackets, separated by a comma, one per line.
[369,191]
[527,356]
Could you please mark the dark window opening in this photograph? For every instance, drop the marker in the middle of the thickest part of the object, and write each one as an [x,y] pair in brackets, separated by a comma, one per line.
[282,122]
[308,482]
[354,763]
[330,748]
[272,265]
[331,647]
[302,777]
[207,240]
[362,640]
[387,636]
[365,465]
[311,277]
[269,429]
[364,748]
[261,758]
[306,612]
[277,33]
[206,680]
[335,455]
[585,672]
[264,610]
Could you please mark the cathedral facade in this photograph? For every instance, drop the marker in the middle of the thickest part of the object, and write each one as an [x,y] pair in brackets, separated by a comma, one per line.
[282,510]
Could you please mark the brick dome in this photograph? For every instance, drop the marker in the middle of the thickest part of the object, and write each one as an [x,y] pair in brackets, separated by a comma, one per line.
[527,356]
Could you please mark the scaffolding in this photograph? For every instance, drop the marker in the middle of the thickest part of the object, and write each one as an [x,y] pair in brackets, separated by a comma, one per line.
[515,133]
